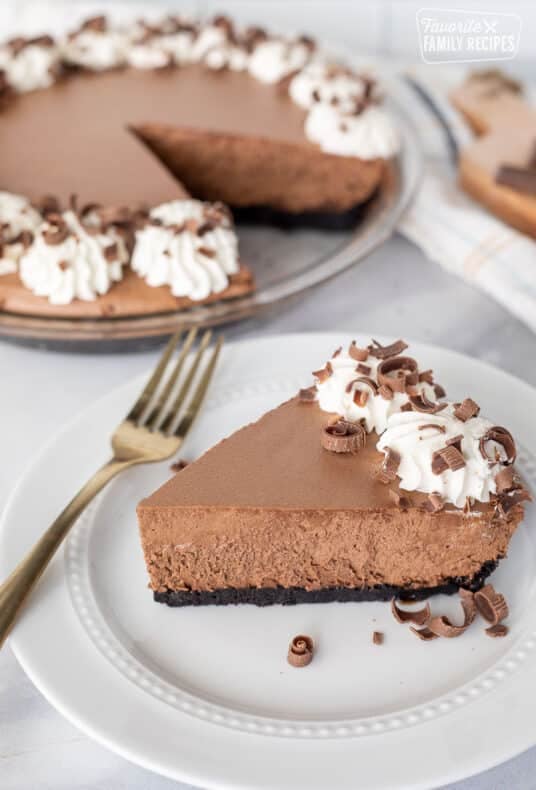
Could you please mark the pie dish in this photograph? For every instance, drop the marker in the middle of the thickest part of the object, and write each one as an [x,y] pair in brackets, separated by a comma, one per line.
[369,484]
[172,121]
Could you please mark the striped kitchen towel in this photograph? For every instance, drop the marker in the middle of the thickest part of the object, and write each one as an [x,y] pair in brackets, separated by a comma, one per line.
[451,228]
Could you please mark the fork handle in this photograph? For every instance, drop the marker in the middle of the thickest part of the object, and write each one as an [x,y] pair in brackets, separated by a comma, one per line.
[17,587]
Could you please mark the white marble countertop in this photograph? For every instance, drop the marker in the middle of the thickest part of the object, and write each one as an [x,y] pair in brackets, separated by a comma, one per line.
[42,390]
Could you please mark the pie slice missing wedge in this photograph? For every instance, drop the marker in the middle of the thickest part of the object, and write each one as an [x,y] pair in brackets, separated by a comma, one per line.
[374,488]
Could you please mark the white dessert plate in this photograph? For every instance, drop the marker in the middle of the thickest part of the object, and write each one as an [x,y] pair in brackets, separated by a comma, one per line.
[205,695]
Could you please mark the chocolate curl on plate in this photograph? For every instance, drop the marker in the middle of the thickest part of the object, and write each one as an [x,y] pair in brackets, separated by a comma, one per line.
[343,436]
[398,373]
[415,616]
[491,604]
[500,436]
[424,634]
[384,352]
[300,651]
[442,626]
[498,630]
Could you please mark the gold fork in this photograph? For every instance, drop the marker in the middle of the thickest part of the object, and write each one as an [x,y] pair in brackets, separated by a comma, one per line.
[153,430]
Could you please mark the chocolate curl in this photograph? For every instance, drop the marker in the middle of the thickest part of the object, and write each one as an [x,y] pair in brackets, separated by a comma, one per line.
[423,404]
[386,392]
[432,426]
[504,480]
[417,616]
[424,634]
[343,436]
[503,437]
[498,630]
[442,626]
[307,395]
[57,231]
[377,637]
[398,373]
[300,651]
[387,472]
[359,354]
[384,352]
[434,503]
[361,396]
[323,374]
[449,457]
[466,410]
[491,604]
[427,376]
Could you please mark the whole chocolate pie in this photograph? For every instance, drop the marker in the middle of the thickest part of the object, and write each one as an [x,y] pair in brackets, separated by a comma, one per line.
[132,138]
[376,486]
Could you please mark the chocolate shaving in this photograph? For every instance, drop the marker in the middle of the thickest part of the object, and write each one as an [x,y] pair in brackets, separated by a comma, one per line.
[300,651]
[508,500]
[427,376]
[111,252]
[491,604]
[336,352]
[466,409]
[439,391]
[432,425]
[207,252]
[307,394]
[386,392]
[377,637]
[422,403]
[48,204]
[442,626]
[406,407]
[324,374]
[504,480]
[364,369]
[455,441]
[448,457]
[97,24]
[503,437]
[363,380]
[178,466]
[387,471]
[57,231]
[343,436]
[384,352]
[434,503]
[359,354]
[498,630]
[398,373]
[424,633]
[417,616]
[402,501]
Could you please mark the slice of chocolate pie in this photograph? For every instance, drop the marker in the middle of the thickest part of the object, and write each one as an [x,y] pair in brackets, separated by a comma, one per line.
[365,486]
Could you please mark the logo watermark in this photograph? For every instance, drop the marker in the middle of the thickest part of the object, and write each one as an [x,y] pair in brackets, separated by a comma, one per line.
[449,35]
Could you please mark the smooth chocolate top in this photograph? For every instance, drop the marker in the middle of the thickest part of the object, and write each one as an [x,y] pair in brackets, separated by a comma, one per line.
[74,136]
[279,461]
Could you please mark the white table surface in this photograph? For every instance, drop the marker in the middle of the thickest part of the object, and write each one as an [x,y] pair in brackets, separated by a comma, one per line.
[41,390]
